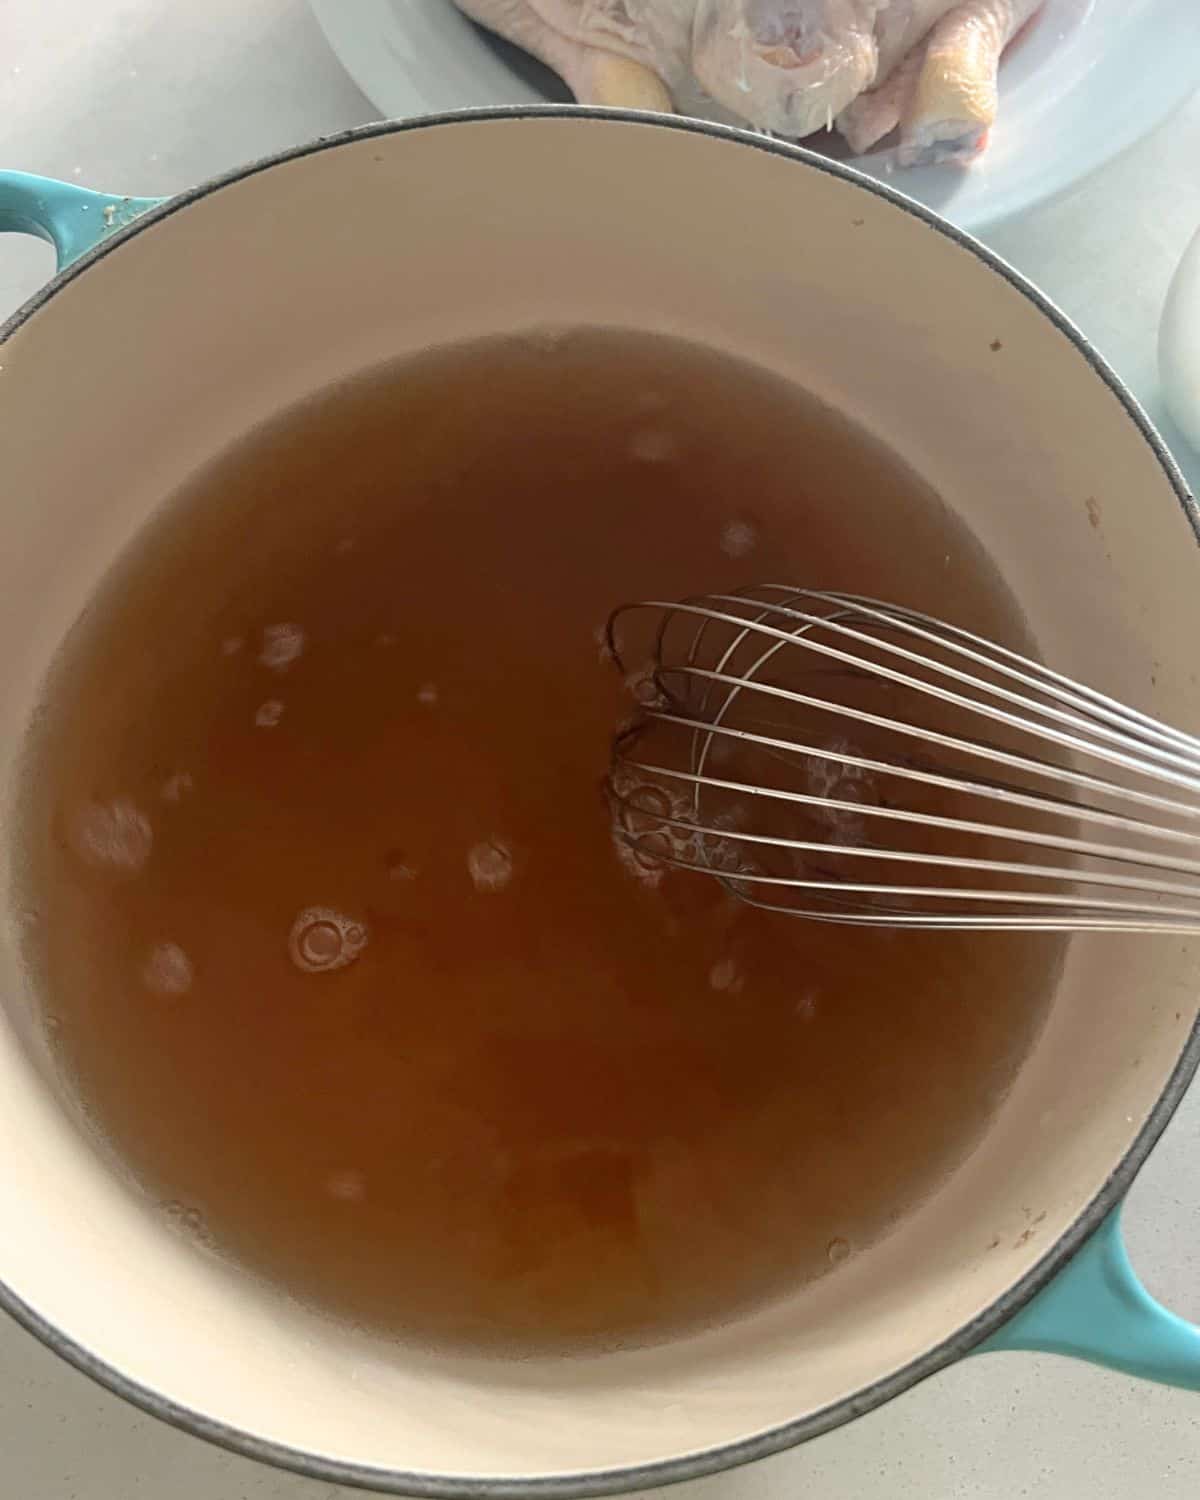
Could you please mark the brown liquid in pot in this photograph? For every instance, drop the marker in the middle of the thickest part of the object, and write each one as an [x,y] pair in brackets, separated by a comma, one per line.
[345,705]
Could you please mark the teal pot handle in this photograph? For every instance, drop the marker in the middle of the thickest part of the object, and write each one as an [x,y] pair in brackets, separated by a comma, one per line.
[73,219]
[1096,1309]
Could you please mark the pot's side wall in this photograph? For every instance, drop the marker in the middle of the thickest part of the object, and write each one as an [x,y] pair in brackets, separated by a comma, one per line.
[212,318]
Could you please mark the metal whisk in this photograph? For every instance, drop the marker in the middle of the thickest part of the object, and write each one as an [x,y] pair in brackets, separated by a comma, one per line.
[833,757]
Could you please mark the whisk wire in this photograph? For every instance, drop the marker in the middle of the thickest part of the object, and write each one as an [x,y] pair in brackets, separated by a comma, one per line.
[1055,752]
[876,669]
[1060,842]
[1036,675]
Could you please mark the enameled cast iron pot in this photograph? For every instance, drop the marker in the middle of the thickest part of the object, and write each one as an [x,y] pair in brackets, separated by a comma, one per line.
[172,328]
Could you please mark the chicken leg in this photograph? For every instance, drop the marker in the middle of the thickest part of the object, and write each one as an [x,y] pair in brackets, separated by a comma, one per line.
[954,102]
[866,120]
[603,68]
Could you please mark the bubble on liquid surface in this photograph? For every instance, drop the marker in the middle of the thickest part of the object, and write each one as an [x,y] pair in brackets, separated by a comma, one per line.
[427,693]
[806,1007]
[645,861]
[268,714]
[114,835]
[232,644]
[643,688]
[322,939]
[727,977]
[176,787]
[644,807]
[719,853]
[830,778]
[167,970]
[644,841]
[346,1186]
[281,645]
[738,538]
[837,1251]
[490,865]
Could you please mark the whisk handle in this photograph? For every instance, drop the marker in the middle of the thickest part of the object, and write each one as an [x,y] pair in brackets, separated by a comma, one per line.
[1097,1309]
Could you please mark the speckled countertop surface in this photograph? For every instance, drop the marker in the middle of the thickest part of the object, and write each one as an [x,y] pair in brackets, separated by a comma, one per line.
[147,97]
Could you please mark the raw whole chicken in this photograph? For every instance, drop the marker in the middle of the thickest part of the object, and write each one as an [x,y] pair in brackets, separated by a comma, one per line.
[789,67]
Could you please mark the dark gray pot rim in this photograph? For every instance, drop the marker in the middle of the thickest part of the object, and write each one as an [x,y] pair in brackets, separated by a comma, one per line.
[729,1455]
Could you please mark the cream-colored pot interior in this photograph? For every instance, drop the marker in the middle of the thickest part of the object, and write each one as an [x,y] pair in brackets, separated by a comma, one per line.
[249,296]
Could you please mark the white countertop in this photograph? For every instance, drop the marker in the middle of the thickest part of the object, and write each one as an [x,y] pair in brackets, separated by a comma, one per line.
[147,97]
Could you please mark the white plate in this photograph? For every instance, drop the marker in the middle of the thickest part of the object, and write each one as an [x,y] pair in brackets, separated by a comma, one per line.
[1086,80]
